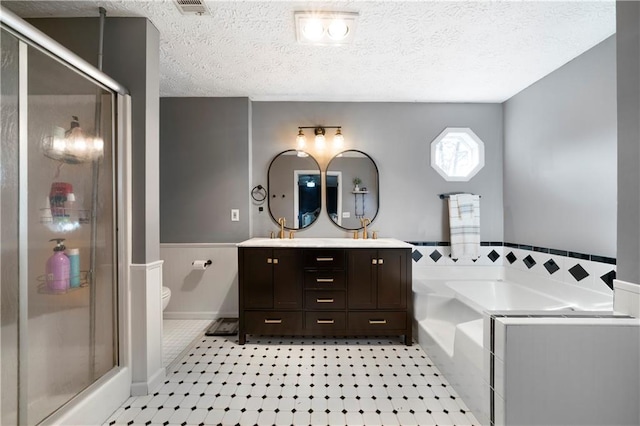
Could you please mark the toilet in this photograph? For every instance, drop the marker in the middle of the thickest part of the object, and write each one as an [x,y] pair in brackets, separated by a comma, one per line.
[166,295]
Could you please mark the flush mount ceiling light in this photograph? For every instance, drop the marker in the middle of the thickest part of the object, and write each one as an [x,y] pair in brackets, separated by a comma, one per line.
[325,28]
[319,139]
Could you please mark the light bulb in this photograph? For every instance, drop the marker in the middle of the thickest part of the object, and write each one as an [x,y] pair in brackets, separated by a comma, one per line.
[313,30]
[59,145]
[338,29]
[80,144]
[98,147]
[320,142]
[301,140]
[338,139]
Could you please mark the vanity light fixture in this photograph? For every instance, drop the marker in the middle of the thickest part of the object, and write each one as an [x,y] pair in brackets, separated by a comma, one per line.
[320,140]
[325,27]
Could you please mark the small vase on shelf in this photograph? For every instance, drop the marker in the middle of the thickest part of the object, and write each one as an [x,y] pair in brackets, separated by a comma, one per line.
[356,188]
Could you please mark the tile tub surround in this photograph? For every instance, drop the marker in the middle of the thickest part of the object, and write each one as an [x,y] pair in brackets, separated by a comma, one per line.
[448,308]
[626,299]
[547,369]
[300,381]
[588,271]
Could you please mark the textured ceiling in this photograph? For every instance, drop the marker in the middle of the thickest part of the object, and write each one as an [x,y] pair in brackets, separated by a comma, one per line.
[431,51]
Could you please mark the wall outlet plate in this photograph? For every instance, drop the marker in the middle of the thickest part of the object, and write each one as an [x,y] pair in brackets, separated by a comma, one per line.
[346,215]
[235,215]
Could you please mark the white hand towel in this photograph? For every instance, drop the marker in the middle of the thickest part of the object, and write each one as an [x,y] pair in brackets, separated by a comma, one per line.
[464,223]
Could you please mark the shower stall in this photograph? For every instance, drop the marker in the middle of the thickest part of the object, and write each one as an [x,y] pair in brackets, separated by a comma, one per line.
[59,122]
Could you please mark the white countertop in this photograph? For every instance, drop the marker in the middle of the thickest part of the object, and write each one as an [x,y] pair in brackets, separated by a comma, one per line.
[325,242]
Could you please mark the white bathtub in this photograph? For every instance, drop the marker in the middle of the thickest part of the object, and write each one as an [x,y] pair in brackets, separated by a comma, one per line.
[504,296]
[449,323]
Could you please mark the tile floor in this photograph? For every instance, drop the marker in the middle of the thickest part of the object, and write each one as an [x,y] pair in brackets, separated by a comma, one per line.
[177,335]
[290,381]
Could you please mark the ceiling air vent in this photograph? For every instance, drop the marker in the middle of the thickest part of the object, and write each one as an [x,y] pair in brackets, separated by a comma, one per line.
[192,7]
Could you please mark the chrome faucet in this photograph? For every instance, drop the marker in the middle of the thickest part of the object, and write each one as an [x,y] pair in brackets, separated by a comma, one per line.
[281,221]
[364,222]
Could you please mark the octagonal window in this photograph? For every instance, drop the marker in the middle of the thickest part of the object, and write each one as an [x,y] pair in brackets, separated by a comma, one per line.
[457,154]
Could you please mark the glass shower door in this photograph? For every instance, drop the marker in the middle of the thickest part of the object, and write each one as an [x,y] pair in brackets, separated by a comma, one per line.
[9,276]
[58,234]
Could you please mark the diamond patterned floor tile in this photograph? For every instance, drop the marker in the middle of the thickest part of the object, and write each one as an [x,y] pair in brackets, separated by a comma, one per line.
[270,381]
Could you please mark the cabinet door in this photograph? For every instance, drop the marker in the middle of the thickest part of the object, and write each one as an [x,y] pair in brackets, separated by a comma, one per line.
[392,279]
[361,278]
[287,279]
[257,281]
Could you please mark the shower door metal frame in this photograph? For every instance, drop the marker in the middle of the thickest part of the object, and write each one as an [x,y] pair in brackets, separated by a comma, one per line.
[29,36]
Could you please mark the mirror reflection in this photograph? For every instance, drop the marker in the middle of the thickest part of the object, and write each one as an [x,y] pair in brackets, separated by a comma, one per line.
[352,189]
[295,189]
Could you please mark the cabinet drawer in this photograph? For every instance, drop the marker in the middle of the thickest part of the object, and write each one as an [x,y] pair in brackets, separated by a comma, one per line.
[324,258]
[324,321]
[320,278]
[324,299]
[376,320]
[273,322]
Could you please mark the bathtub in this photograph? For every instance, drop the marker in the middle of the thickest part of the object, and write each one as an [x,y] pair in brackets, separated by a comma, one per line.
[449,323]
[504,296]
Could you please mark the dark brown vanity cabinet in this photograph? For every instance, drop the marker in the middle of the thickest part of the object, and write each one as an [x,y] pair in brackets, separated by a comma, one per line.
[324,291]
[377,279]
[271,282]
[379,292]
[325,297]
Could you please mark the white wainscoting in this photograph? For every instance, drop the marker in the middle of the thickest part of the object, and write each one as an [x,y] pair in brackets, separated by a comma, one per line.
[201,294]
[146,327]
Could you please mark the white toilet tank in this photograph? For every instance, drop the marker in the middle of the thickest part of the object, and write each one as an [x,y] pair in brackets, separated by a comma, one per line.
[166,295]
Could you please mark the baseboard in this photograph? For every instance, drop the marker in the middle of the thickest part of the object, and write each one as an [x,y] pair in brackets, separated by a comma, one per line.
[145,388]
[198,315]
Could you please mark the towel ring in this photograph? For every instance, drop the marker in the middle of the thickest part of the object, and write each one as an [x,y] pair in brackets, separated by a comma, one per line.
[259,193]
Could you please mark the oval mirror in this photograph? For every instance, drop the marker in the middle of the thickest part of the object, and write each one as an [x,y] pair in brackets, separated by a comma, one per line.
[295,189]
[352,190]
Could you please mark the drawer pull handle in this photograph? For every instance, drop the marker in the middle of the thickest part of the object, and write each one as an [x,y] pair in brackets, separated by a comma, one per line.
[275,261]
[380,261]
[324,259]
[324,280]
[374,321]
[374,261]
[324,300]
[273,321]
[324,321]
[269,260]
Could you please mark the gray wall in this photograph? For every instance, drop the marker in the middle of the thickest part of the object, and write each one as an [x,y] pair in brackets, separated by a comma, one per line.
[204,169]
[560,157]
[131,56]
[628,90]
[397,136]
[132,49]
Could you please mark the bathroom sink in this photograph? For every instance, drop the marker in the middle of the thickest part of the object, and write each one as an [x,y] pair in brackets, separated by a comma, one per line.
[325,242]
